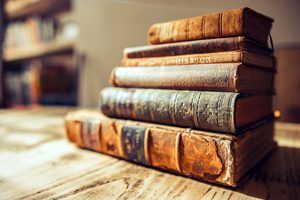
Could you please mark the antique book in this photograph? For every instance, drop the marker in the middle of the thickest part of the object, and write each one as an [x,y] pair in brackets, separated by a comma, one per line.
[237,22]
[208,156]
[227,77]
[226,112]
[204,58]
[197,47]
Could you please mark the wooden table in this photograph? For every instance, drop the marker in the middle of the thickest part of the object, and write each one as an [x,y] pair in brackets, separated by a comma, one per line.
[38,162]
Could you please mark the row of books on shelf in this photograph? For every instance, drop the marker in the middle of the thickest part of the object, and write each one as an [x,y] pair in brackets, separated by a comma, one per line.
[38,53]
[23,87]
[33,84]
[196,102]
[32,31]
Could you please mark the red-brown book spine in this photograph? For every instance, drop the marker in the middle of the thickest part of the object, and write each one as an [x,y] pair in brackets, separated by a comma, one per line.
[237,22]
[202,155]
[225,77]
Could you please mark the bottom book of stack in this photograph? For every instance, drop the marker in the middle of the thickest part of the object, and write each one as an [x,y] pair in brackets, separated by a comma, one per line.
[213,157]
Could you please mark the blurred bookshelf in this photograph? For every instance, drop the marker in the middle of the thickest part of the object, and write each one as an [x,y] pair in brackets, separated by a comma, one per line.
[16,9]
[1,59]
[11,55]
[40,63]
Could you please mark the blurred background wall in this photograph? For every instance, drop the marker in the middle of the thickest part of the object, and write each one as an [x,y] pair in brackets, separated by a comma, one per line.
[45,41]
[107,27]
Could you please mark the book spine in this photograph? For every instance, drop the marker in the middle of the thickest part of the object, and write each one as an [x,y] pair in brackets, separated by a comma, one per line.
[207,58]
[206,77]
[183,48]
[160,148]
[212,111]
[224,24]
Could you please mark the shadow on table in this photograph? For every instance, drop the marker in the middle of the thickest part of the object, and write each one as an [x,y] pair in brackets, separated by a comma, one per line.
[276,177]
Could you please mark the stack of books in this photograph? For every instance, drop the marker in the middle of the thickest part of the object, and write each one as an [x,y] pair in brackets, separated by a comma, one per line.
[196,102]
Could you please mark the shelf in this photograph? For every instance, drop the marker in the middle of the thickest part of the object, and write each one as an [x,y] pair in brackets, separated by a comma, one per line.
[19,9]
[11,55]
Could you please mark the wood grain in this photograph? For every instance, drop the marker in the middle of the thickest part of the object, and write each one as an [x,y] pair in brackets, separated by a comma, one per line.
[37,162]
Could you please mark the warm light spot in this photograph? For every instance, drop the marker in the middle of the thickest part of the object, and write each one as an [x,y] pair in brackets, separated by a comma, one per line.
[277,113]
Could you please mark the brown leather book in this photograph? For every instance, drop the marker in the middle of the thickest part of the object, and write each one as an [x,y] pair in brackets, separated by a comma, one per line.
[212,157]
[227,77]
[205,58]
[237,22]
[213,111]
[197,47]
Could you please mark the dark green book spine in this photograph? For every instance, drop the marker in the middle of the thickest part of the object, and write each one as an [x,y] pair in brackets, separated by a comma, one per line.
[212,111]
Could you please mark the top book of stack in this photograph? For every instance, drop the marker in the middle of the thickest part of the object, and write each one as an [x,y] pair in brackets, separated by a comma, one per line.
[223,52]
[237,22]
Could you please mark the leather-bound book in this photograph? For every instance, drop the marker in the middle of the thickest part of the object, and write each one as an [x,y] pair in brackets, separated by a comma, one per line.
[212,157]
[239,43]
[204,58]
[237,22]
[226,112]
[227,77]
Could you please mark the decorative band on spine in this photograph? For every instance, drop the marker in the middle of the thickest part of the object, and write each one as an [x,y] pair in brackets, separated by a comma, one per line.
[80,135]
[146,146]
[99,137]
[187,31]
[230,113]
[196,114]
[120,142]
[157,36]
[172,107]
[220,120]
[220,24]
[177,152]
[194,104]
[117,102]
[203,27]
[69,133]
[150,105]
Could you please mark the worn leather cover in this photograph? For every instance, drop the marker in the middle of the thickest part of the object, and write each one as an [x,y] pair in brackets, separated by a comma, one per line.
[213,111]
[197,47]
[225,77]
[236,22]
[205,58]
[198,154]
